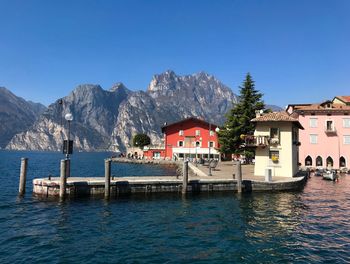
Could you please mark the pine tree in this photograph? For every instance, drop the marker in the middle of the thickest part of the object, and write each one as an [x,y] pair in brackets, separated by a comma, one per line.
[238,119]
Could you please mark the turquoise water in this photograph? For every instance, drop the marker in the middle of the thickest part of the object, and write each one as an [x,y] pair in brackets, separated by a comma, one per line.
[309,226]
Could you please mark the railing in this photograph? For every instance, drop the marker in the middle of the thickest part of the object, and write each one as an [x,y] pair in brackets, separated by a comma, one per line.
[330,130]
[256,141]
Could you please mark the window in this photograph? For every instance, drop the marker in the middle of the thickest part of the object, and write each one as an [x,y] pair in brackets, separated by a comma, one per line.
[181,133]
[198,143]
[329,125]
[211,144]
[346,122]
[211,133]
[313,138]
[180,143]
[346,139]
[313,122]
[274,135]
[198,132]
[274,155]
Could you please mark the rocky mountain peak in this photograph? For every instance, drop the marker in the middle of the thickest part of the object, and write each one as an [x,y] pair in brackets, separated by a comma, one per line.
[118,86]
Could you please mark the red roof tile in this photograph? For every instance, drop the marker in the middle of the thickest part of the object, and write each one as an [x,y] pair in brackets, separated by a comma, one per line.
[277,117]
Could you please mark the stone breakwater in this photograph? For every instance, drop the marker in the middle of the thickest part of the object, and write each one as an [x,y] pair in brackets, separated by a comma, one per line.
[198,182]
[77,187]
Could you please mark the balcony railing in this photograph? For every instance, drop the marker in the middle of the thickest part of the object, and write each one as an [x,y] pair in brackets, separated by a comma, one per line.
[256,141]
[330,130]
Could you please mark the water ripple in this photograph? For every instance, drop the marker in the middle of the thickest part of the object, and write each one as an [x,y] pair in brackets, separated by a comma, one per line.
[309,226]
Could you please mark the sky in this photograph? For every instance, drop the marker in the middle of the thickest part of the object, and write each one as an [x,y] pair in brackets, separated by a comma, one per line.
[296,51]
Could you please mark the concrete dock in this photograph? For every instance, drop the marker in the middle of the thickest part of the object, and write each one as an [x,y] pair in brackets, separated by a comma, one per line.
[222,179]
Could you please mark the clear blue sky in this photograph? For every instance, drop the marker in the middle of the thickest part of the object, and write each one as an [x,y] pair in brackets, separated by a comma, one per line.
[297,51]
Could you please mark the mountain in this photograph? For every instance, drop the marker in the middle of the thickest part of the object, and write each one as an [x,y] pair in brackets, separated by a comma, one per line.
[94,111]
[16,115]
[107,120]
[274,108]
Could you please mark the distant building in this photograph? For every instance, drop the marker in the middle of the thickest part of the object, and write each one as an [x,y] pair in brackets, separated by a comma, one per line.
[325,142]
[190,138]
[276,141]
[154,152]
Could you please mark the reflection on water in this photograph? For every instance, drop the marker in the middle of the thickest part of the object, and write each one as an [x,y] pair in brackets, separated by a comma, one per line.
[307,226]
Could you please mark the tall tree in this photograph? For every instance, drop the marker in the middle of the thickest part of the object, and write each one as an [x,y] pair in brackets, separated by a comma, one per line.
[141,140]
[238,119]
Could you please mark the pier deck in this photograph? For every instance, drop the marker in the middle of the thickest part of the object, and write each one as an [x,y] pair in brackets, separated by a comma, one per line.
[199,181]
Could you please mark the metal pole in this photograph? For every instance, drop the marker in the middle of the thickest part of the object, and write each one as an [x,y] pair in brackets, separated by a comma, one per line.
[185,177]
[23,176]
[107,177]
[209,167]
[68,136]
[63,178]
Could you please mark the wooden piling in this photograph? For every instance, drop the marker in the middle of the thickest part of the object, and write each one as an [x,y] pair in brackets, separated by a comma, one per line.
[238,176]
[185,177]
[107,177]
[63,178]
[23,176]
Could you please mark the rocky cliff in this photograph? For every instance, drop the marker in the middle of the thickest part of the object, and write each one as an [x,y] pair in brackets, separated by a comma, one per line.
[16,115]
[107,120]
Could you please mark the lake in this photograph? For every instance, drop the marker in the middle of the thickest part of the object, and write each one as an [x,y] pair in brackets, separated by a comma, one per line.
[308,226]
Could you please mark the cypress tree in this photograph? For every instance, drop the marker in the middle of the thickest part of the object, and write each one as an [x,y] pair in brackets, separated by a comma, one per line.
[238,118]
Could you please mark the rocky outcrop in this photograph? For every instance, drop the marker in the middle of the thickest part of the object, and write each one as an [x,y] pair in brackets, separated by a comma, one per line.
[107,120]
[16,115]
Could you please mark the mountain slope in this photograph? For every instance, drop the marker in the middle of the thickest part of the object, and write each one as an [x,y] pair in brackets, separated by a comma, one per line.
[16,115]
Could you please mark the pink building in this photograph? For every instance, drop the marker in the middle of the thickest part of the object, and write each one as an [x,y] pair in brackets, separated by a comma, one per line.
[326,138]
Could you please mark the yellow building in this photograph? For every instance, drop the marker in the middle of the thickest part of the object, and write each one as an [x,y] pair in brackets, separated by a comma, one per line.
[276,139]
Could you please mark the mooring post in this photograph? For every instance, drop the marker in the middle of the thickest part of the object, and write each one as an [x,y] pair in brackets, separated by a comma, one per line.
[185,177]
[63,178]
[23,176]
[238,176]
[107,177]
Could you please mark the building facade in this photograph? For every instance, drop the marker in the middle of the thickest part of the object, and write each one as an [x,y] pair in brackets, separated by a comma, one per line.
[325,142]
[191,138]
[276,139]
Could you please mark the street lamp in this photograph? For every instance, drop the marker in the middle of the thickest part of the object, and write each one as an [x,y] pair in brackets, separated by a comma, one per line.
[69,144]
[216,130]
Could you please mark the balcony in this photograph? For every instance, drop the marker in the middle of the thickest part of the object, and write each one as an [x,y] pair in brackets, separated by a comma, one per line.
[256,141]
[330,130]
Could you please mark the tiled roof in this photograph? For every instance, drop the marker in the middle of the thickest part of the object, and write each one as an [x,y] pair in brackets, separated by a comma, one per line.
[277,117]
[193,119]
[318,107]
[344,98]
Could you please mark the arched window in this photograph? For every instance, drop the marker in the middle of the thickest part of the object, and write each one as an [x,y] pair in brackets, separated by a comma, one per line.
[329,162]
[308,161]
[319,162]
[342,162]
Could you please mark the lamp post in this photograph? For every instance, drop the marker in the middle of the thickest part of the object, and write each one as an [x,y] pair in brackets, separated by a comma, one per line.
[69,118]
[217,130]
[200,142]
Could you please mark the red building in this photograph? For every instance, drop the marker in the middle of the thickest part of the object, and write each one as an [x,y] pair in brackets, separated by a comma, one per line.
[190,138]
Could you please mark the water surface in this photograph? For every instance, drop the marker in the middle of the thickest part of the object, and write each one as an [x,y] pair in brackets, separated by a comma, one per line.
[308,226]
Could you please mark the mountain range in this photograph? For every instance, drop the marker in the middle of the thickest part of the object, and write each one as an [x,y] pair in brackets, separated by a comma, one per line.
[108,119]
[16,115]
